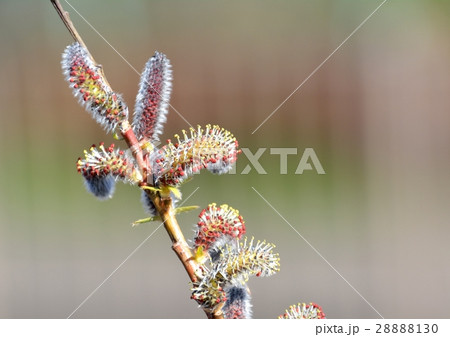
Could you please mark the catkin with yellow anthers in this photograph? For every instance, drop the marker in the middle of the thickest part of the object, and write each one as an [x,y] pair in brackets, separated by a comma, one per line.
[247,260]
[209,292]
[100,162]
[218,226]
[211,148]
[91,88]
[304,311]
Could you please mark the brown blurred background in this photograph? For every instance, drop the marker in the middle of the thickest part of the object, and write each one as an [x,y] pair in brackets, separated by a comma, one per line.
[377,115]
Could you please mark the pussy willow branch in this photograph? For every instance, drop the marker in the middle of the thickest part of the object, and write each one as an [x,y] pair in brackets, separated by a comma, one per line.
[163,205]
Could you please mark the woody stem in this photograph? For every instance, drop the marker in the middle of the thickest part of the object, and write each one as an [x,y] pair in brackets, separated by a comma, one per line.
[165,210]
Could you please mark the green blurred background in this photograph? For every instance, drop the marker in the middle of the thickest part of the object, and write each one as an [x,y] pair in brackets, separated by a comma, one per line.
[376,114]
